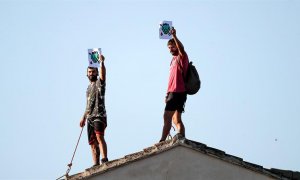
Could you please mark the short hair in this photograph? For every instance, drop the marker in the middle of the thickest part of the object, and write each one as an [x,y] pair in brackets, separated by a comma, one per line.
[92,68]
[171,42]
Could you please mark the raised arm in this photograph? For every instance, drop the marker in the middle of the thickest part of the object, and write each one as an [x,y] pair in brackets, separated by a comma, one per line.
[179,45]
[102,69]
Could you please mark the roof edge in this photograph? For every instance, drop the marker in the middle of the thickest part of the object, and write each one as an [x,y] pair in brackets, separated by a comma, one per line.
[182,141]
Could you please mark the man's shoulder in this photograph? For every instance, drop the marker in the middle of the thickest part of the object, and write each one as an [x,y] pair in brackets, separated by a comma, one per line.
[185,55]
[88,89]
[100,82]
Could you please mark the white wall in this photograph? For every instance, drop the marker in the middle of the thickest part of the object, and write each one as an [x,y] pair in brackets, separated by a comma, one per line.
[180,163]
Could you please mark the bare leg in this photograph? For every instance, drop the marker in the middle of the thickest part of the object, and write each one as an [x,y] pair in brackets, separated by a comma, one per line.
[178,123]
[95,153]
[102,145]
[167,124]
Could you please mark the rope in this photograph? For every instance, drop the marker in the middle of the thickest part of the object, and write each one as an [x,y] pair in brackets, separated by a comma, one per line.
[70,164]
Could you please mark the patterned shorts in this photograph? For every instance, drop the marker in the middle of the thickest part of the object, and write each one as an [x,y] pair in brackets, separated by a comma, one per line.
[96,126]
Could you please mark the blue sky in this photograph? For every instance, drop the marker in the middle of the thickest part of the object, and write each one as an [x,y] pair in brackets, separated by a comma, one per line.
[246,51]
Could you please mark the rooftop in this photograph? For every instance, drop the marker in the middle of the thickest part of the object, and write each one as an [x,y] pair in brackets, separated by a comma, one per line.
[197,146]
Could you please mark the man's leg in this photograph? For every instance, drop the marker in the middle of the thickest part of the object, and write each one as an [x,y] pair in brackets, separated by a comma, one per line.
[95,153]
[178,123]
[167,124]
[102,145]
[94,145]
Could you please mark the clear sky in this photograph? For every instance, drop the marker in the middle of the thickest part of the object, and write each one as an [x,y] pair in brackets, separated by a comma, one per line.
[246,51]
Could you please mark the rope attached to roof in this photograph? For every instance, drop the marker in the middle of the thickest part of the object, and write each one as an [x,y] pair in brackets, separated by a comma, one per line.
[70,164]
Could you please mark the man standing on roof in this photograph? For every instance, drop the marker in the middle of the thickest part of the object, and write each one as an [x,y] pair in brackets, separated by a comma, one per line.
[95,113]
[176,93]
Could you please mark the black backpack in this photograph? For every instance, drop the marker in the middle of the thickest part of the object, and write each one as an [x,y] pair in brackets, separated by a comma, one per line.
[192,80]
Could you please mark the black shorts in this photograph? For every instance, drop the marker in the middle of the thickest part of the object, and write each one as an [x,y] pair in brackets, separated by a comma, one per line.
[175,101]
[95,126]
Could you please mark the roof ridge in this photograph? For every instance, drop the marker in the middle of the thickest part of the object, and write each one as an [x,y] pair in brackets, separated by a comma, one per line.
[181,141]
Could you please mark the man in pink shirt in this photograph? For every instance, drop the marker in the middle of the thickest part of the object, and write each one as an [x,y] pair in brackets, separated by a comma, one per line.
[176,93]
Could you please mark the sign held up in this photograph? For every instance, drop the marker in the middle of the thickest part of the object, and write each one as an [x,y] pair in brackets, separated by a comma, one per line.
[94,57]
[164,30]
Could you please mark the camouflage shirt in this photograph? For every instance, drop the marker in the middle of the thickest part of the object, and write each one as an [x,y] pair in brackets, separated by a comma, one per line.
[95,106]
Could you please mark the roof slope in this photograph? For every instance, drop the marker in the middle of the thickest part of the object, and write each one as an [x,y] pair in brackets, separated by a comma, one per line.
[179,141]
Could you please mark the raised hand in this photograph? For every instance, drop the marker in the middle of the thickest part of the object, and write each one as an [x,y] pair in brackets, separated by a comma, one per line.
[173,31]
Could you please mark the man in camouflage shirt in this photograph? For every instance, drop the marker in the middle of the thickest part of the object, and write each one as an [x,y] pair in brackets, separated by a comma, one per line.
[95,113]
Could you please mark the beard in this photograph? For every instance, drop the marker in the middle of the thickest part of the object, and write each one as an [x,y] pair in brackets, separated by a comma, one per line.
[92,78]
[174,53]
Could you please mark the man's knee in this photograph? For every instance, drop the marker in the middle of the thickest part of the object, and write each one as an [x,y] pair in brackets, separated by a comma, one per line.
[94,146]
[177,118]
[100,138]
[168,115]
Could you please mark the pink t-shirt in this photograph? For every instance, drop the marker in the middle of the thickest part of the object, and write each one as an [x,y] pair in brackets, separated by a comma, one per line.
[176,82]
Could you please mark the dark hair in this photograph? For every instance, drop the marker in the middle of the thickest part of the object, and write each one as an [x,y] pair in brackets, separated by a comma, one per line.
[171,42]
[92,68]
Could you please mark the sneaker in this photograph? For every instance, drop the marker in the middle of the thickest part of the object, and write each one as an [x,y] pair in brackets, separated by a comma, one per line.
[178,136]
[104,160]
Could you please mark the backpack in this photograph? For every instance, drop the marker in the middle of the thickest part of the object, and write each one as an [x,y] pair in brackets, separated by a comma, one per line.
[192,80]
